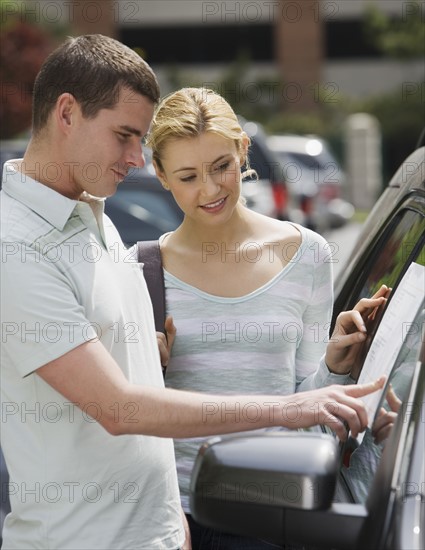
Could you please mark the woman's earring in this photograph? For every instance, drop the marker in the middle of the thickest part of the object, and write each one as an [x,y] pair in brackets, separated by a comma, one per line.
[163,182]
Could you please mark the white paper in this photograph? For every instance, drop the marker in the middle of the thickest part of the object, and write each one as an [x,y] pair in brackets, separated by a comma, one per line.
[391,333]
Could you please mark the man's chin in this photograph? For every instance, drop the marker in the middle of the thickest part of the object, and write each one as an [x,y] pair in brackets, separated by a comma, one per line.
[110,191]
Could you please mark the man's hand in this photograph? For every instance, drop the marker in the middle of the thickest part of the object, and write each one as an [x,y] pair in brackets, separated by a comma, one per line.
[165,341]
[351,331]
[336,406]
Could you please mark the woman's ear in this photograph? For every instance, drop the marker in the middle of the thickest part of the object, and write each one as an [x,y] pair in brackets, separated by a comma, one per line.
[244,148]
[160,175]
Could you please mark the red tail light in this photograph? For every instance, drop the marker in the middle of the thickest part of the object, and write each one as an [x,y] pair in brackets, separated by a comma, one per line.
[307,205]
[330,191]
[280,194]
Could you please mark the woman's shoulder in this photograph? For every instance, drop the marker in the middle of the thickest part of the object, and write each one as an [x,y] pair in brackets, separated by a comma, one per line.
[284,230]
[299,244]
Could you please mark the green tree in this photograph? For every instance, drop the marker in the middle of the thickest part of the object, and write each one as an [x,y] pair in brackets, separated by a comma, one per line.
[401,38]
[23,47]
[400,112]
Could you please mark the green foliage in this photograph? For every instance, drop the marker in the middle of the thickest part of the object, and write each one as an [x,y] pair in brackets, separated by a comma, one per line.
[402,38]
[25,41]
[400,112]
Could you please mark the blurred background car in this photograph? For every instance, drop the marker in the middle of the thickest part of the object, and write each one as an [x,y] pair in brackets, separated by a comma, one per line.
[141,208]
[315,181]
[11,149]
[267,166]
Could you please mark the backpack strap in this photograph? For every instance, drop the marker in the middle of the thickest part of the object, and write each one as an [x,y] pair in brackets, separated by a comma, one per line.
[149,253]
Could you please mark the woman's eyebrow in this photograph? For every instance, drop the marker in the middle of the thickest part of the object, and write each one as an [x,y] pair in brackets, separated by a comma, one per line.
[192,168]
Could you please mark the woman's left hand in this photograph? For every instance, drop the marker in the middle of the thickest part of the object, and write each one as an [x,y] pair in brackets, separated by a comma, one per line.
[350,332]
[165,341]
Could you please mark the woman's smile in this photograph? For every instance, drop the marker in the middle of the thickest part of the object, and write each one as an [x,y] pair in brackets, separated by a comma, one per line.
[215,206]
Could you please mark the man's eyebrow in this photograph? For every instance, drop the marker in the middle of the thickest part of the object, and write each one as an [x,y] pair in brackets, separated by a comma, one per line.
[131,130]
[191,168]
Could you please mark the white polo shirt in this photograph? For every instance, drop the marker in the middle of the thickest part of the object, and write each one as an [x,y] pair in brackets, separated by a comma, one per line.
[64,281]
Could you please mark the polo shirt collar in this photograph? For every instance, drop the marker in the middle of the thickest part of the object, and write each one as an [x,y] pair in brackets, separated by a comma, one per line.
[44,201]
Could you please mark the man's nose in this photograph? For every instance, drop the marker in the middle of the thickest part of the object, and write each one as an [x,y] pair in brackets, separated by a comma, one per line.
[136,157]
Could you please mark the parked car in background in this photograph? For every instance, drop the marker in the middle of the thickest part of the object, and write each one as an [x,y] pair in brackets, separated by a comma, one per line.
[141,208]
[264,161]
[11,149]
[357,495]
[315,180]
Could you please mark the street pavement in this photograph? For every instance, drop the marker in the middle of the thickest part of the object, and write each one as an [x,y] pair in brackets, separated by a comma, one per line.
[341,243]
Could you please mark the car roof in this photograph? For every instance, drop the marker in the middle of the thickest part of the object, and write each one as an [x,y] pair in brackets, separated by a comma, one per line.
[292,143]
[411,174]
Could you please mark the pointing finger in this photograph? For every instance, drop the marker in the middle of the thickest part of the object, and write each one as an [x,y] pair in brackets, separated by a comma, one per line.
[359,390]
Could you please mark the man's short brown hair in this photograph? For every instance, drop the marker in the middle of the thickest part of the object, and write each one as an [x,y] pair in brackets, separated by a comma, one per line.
[93,68]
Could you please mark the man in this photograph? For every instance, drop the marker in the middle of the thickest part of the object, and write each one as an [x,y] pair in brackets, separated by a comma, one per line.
[80,361]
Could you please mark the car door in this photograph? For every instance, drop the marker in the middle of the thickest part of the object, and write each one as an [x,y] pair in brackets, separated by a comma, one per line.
[399,242]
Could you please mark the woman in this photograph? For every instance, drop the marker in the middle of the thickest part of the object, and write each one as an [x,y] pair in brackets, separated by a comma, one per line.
[251,296]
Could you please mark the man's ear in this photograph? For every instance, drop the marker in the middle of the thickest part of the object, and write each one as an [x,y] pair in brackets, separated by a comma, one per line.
[65,111]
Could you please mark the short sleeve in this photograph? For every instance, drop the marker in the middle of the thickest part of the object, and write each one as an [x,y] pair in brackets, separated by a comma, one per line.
[41,317]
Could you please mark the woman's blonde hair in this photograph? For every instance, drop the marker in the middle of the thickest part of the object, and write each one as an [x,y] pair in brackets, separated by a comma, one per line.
[190,112]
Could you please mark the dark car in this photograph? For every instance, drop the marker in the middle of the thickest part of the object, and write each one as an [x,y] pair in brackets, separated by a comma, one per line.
[141,208]
[305,487]
[11,149]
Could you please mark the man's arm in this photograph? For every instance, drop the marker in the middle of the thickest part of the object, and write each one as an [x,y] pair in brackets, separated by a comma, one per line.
[88,374]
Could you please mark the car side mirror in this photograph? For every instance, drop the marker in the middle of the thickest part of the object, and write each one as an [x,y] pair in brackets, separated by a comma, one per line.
[242,484]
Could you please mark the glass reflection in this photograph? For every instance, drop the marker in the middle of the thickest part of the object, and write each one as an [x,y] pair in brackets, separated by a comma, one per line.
[361,461]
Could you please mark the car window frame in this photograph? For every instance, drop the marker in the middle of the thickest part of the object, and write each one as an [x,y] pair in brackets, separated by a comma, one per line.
[349,296]
[346,483]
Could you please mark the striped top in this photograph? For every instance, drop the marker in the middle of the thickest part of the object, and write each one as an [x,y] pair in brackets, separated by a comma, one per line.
[269,341]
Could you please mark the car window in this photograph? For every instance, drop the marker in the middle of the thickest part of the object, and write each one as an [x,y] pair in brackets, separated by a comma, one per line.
[400,244]
[359,462]
[388,259]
